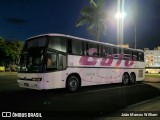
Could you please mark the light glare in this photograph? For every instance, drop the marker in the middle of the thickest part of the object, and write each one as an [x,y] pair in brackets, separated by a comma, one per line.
[120,15]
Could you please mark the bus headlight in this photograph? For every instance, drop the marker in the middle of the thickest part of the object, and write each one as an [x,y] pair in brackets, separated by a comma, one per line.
[36,79]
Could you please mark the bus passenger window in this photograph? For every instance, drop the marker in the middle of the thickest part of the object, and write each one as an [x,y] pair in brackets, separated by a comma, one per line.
[77,47]
[134,56]
[104,54]
[92,50]
[62,61]
[127,54]
[140,56]
[107,51]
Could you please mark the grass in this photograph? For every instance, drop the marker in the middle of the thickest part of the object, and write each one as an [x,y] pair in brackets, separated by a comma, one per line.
[7,73]
[152,75]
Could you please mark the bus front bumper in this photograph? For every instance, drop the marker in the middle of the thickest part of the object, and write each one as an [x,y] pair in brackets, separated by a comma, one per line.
[30,84]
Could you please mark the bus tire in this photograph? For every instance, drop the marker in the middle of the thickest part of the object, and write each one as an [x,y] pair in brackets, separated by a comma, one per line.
[132,78]
[72,83]
[125,79]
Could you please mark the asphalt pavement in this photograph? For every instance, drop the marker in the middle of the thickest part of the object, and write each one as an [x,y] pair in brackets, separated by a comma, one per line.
[145,110]
[150,109]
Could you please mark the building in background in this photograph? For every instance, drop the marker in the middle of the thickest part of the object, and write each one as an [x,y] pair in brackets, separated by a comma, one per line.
[152,60]
[124,45]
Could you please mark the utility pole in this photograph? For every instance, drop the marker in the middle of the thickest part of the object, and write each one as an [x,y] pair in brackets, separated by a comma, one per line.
[135,25]
[120,19]
[135,35]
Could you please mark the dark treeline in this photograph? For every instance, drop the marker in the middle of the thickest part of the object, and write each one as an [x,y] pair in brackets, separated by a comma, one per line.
[10,52]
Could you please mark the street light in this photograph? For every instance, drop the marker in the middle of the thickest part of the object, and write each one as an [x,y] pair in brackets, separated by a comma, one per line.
[120,19]
[120,15]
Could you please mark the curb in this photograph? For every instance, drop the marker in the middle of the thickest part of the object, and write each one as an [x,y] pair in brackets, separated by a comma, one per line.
[152,79]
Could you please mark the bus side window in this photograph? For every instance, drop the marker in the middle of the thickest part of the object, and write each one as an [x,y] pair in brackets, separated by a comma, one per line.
[107,51]
[116,52]
[134,56]
[140,56]
[69,46]
[77,47]
[100,51]
[127,54]
[92,49]
[84,48]
[62,61]
[104,54]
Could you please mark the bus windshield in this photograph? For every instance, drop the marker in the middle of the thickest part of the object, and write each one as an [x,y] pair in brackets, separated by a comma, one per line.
[32,61]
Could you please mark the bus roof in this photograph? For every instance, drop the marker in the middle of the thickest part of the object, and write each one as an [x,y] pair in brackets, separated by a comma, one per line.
[78,38]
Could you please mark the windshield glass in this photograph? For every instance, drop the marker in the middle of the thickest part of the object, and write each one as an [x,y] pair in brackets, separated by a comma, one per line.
[32,61]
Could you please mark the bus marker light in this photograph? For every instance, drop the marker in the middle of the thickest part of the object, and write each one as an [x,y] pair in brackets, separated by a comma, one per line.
[36,79]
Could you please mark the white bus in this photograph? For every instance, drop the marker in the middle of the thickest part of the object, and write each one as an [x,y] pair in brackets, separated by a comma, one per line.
[53,61]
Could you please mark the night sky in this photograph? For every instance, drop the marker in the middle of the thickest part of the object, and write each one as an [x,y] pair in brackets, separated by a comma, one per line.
[20,19]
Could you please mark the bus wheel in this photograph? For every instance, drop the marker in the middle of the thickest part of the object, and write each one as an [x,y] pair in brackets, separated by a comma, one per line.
[72,83]
[132,78]
[125,79]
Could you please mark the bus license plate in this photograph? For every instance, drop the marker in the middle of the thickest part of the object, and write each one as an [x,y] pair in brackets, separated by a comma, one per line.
[26,84]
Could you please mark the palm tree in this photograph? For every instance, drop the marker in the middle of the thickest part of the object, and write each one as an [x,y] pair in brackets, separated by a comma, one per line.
[93,15]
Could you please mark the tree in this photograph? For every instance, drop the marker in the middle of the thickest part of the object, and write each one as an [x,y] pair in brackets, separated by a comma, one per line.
[14,48]
[3,51]
[10,51]
[1,40]
[93,15]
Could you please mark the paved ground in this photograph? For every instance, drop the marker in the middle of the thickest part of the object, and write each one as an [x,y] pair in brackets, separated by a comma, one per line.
[148,105]
[139,98]
[146,110]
